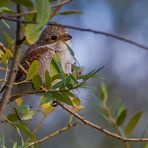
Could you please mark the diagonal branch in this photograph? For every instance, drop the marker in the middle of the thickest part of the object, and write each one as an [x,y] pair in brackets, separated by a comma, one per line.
[108,35]
[53,134]
[16,20]
[97,127]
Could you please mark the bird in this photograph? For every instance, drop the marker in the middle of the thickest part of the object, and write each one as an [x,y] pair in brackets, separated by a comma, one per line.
[53,39]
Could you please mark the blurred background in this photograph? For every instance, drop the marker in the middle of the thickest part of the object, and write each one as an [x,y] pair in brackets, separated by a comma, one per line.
[125,70]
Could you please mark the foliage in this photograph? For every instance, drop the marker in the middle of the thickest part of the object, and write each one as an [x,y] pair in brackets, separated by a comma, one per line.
[58,86]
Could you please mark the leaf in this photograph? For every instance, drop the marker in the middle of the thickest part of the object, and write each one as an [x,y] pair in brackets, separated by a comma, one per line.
[1,54]
[9,41]
[47,80]
[3,3]
[46,98]
[69,12]
[121,117]
[26,130]
[70,50]
[19,101]
[132,123]
[71,82]
[27,3]
[54,70]
[32,31]
[146,145]
[8,54]
[37,82]
[43,12]
[60,69]
[6,10]
[62,97]
[33,70]
[47,108]
[104,94]
[51,0]
[76,101]
[5,23]
[12,117]
[29,115]
[24,109]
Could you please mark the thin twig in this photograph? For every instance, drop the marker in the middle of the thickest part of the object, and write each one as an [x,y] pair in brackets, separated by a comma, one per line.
[53,134]
[97,127]
[107,35]
[14,68]
[60,4]
[16,20]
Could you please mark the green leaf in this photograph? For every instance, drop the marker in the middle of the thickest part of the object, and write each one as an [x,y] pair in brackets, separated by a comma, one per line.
[5,23]
[37,82]
[103,91]
[121,117]
[70,50]
[32,33]
[146,145]
[6,10]
[3,3]
[12,117]
[26,130]
[8,54]
[132,123]
[47,80]
[33,70]
[43,13]
[69,12]
[29,115]
[71,82]
[1,54]
[27,3]
[46,98]
[51,0]
[62,97]
[60,69]
[24,109]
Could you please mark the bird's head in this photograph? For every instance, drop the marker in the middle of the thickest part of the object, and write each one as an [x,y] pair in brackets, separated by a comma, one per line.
[54,34]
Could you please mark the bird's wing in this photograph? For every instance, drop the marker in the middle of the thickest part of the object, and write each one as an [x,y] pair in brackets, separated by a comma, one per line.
[29,57]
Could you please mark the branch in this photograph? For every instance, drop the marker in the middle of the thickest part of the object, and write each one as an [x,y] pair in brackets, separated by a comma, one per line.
[16,20]
[14,68]
[107,35]
[97,127]
[53,134]
[60,4]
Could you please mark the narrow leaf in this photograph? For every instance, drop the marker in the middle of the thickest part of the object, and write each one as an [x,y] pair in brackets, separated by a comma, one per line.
[33,70]
[37,82]
[103,92]
[47,80]
[62,98]
[121,117]
[12,117]
[132,123]
[69,12]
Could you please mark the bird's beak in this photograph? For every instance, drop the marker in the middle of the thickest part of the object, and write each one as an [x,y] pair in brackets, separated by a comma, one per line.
[66,37]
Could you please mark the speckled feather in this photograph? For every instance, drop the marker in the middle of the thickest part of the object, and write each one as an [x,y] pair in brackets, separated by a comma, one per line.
[43,50]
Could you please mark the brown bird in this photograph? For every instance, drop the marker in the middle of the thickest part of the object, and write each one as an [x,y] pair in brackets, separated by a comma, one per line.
[52,40]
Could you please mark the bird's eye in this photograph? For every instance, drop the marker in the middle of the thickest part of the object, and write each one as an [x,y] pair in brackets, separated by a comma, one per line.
[54,37]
